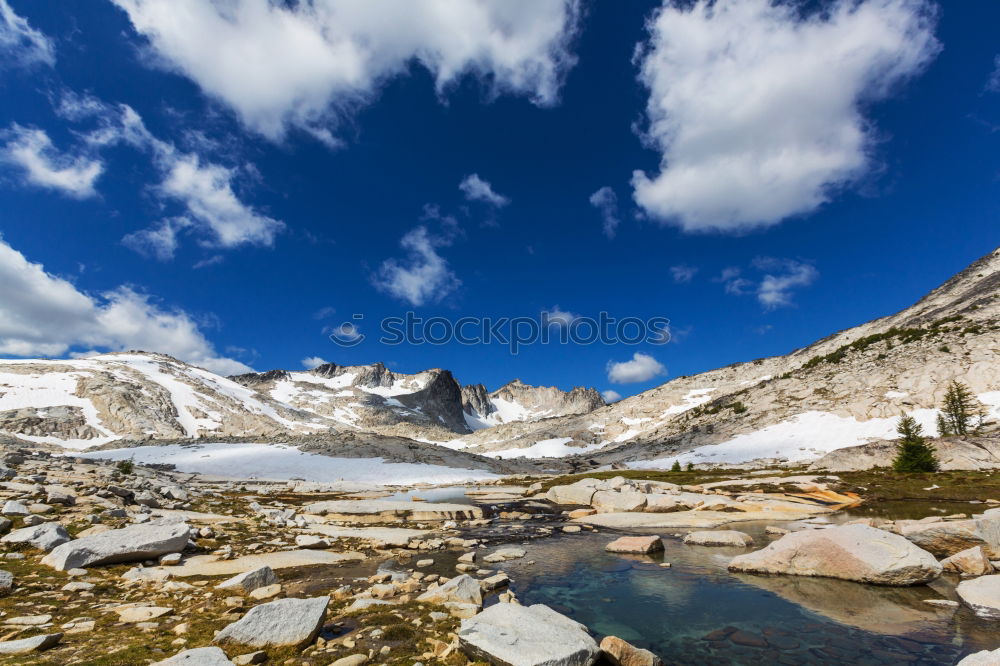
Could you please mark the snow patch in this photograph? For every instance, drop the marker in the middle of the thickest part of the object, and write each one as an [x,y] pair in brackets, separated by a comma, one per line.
[280,462]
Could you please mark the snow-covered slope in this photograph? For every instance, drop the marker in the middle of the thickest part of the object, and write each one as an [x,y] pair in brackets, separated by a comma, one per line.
[86,402]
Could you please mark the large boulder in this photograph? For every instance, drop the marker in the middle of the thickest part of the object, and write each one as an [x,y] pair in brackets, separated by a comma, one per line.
[982,595]
[136,542]
[948,537]
[581,492]
[850,552]
[733,538]
[514,635]
[285,622]
[972,561]
[43,537]
[203,656]
[618,501]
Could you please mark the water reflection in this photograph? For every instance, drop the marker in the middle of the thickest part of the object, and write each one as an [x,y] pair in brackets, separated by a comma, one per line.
[697,612]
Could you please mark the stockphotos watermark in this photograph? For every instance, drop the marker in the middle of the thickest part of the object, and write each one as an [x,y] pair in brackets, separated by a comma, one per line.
[514,332]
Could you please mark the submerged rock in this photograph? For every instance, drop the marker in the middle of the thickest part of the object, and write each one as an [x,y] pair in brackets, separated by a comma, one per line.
[733,538]
[622,653]
[849,552]
[137,542]
[526,636]
[285,622]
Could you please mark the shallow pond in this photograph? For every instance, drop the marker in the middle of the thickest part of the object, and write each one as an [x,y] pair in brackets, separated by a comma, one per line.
[696,612]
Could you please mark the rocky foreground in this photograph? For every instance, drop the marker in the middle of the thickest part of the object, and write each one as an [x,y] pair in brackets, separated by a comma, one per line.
[103,564]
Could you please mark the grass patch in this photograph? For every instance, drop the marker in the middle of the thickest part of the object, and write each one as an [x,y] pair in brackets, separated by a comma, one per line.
[883,485]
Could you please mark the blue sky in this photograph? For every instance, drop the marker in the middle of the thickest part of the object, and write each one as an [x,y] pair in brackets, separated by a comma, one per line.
[225,184]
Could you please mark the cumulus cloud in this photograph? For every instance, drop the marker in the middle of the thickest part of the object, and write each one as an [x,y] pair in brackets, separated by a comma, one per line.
[641,368]
[20,44]
[611,396]
[43,165]
[476,189]
[756,107]
[782,276]
[204,189]
[313,63]
[683,273]
[606,201]
[42,314]
[311,362]
[423,276]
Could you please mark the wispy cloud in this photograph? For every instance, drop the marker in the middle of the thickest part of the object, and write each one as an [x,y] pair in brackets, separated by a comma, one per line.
[606,201]
[476,189]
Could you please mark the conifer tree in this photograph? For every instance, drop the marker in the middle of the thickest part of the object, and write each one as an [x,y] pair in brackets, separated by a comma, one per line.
[913,454]
[676,466]
[959,410]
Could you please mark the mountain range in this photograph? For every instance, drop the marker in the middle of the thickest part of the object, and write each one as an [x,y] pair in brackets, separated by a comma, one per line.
[844,390]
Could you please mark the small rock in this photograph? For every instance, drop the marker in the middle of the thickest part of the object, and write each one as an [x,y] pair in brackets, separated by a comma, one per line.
[204,656]
[285,622]
[732,538]
[136,614]
[250,580]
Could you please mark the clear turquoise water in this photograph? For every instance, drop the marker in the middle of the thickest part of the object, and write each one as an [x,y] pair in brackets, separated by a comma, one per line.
[696,612]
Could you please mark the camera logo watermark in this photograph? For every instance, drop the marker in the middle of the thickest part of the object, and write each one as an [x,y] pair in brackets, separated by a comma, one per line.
[514,332]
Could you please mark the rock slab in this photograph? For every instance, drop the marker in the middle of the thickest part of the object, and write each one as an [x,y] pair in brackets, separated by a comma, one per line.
[849,552]
[43,537]
[137,542]
[635,544]
[205,656]
[33,644]
[982,595]
[285,622]
[250,580]
[514,635]
[732,538]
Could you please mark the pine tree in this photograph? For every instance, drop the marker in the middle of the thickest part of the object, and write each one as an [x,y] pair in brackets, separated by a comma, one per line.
[942,426]
[676,466]
[913,454]
[690,467]
[959,410]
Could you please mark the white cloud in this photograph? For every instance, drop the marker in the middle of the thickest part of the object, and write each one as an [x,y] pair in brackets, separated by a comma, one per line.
[732,280]
[606,201]
[312,63]
[476,189]
[20,44]
[424,276]
[641,368]
[31,150]
[158,242]
[41,314]
[783,275]
[205,190]
[559,317]
[683,273]
[311,362]
[757,109]
[611,396]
